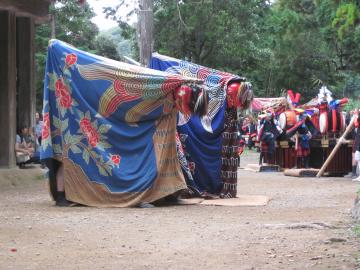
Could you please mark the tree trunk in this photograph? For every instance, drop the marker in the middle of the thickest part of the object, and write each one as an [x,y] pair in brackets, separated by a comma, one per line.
[52,18]
[145,30]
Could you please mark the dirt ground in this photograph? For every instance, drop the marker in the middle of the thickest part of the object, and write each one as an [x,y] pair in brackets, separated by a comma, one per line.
[306,225]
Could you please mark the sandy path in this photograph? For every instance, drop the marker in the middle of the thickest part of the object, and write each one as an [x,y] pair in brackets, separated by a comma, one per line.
[306,225]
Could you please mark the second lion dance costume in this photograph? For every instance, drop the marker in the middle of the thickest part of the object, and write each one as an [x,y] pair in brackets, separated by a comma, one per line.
[237,97]
[211,143]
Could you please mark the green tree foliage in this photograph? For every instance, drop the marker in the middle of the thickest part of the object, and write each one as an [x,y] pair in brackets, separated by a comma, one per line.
[221,34]
[339,27]
[300,58]
[297,44]
[346,17]
[208,32]
[277,45]
[346,22]
[73,24]
[106,47]
[126,25]
[124,46]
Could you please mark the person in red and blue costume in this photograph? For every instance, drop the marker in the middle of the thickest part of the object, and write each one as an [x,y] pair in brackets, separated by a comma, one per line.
[302,133]
[268,131]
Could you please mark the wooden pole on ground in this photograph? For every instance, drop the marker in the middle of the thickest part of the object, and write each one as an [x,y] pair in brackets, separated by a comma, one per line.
[337,146]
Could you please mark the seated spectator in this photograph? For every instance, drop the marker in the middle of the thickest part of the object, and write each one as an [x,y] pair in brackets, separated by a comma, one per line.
[22,151]
[25,146]
[31,140]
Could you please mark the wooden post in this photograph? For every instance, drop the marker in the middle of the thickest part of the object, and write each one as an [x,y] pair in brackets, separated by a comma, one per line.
[53,26]
[25,45]
[336,148]
[7,88]
[145,30]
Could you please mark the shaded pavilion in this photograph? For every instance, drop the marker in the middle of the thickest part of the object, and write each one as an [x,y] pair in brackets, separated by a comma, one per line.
[17,69]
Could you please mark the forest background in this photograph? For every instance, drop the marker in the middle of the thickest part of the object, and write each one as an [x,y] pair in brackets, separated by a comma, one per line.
[277,45]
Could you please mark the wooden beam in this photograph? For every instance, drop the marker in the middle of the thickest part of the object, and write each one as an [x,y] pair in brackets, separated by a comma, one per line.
[7,88]
[38,9]
[25,47]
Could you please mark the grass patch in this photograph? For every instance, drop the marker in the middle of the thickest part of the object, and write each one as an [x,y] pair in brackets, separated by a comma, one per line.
[357,233]
[357,230]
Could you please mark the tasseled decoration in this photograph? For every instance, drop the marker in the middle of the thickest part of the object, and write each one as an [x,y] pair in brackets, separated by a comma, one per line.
[199,100]
[230,161]
[227,135]
[230,186]
[229,149]
[245,95]
[229,175]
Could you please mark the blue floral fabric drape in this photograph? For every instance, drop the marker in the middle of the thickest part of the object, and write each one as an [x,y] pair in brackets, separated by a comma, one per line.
[113,127]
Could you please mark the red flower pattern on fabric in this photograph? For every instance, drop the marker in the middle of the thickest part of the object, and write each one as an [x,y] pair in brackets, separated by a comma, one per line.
[70,59]
[66,100]
[46,128]
[58,85]
[89,131]
[62,92]
[115,159]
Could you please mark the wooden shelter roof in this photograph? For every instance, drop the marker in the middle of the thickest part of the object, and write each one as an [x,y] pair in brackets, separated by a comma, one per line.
[37,9]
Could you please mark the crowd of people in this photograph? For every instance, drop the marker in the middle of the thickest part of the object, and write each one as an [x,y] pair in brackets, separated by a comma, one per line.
[27,143]
[263,133]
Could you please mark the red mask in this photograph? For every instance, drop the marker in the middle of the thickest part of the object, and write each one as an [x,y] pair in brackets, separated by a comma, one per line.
[182,99]
[232,95]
